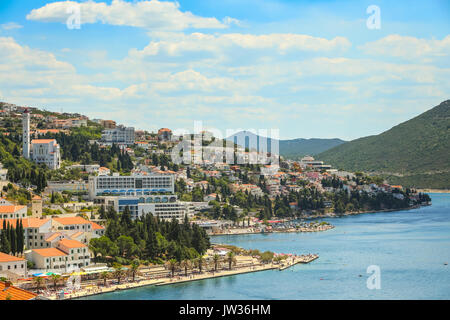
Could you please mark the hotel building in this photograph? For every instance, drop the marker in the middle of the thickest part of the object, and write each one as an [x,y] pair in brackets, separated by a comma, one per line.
[118,135]
[134,185]
[164,206]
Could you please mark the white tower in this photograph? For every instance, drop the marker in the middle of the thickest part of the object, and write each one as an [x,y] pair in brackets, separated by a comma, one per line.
[26,134]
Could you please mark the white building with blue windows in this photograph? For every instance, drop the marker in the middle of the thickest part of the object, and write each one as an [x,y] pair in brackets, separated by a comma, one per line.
[142,194]
[133,185]
[165,207]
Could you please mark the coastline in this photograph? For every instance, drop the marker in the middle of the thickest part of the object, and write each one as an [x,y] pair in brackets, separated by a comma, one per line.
[292,230]
[321,216]
[192,277]
[334,215]
[433,190]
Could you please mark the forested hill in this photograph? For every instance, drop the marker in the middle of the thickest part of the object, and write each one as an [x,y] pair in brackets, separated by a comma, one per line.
[291,149]
[413,153]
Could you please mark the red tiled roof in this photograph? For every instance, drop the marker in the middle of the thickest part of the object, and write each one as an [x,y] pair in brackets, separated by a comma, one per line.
[71,243]
[96,226]
[7,258]
[10,209]
[71,220]
[26,222]
[43,140]
[49,252]
[15,293]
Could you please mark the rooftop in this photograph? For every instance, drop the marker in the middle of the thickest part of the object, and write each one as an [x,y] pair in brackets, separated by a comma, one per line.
[8,258]
[71,220]
[14,293]
[49,252]
[10,209]
[26,222]
[72,243]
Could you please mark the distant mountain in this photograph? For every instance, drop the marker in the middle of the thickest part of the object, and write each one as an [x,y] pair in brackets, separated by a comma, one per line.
[291,149]
[298,148]
[413,153]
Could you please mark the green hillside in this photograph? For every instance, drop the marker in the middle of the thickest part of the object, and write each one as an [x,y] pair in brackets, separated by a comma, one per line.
[297,148]
[415,152]
[291,149]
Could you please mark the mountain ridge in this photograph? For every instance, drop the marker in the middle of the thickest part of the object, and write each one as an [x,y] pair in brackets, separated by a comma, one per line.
[289,148]
[415,152]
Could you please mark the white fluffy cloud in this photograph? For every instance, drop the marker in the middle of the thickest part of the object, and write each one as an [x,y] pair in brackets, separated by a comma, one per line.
[11,26]
[408,47]
[154,15]
[178,44]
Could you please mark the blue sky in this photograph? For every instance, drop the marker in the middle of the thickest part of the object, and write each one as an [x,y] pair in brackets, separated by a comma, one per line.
[307,68]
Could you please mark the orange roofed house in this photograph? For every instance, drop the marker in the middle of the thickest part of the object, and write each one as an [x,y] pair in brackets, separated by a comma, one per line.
[11,211]
[11,264]
[69,255]
[9,292]
[35,230]
[164,134]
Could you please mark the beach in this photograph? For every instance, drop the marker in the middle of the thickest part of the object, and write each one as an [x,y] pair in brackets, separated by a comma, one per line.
[91,289]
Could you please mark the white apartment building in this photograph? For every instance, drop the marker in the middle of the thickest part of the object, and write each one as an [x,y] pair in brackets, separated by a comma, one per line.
[78,253]
[46,151]
[16,265]
[71,224]
[89,168]
[134,185]
[73,185]
[35,231]
[119,135]
[164,206]
[48,259]
[11,211]
[69,255]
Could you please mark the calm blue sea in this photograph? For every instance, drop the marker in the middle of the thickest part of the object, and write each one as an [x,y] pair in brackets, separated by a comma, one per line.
[410,247]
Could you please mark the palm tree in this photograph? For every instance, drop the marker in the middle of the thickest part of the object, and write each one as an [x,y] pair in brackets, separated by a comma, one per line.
[216,259]
[199,262]
[38,281]
[172,265]
[231,257]
[186,264]
[118,272]
[105,276]
[55,278]
[134,267]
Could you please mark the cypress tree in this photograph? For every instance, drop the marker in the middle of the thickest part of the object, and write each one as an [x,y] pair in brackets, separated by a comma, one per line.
[13,241]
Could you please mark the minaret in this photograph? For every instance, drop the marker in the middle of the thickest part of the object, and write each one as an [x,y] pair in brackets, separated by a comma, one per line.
[26,134]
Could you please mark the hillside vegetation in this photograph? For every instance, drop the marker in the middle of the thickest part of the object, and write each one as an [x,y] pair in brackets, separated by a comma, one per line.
[415,152]
[290,149]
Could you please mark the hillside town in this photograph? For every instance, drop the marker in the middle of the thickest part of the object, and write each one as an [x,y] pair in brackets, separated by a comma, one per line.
[82,195]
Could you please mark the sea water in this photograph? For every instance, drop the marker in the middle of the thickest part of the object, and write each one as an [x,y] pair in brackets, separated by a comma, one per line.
[409,248]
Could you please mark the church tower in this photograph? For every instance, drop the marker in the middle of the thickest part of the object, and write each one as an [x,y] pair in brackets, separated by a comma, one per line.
[26,134]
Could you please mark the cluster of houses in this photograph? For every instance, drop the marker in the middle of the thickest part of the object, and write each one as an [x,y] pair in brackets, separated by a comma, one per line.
[61,243]
[52,243]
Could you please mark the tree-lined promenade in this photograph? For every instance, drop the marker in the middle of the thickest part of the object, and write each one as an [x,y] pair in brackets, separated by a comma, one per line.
[210,266]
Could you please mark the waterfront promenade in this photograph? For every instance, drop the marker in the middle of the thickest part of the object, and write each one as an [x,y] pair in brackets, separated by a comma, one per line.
[95,289]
